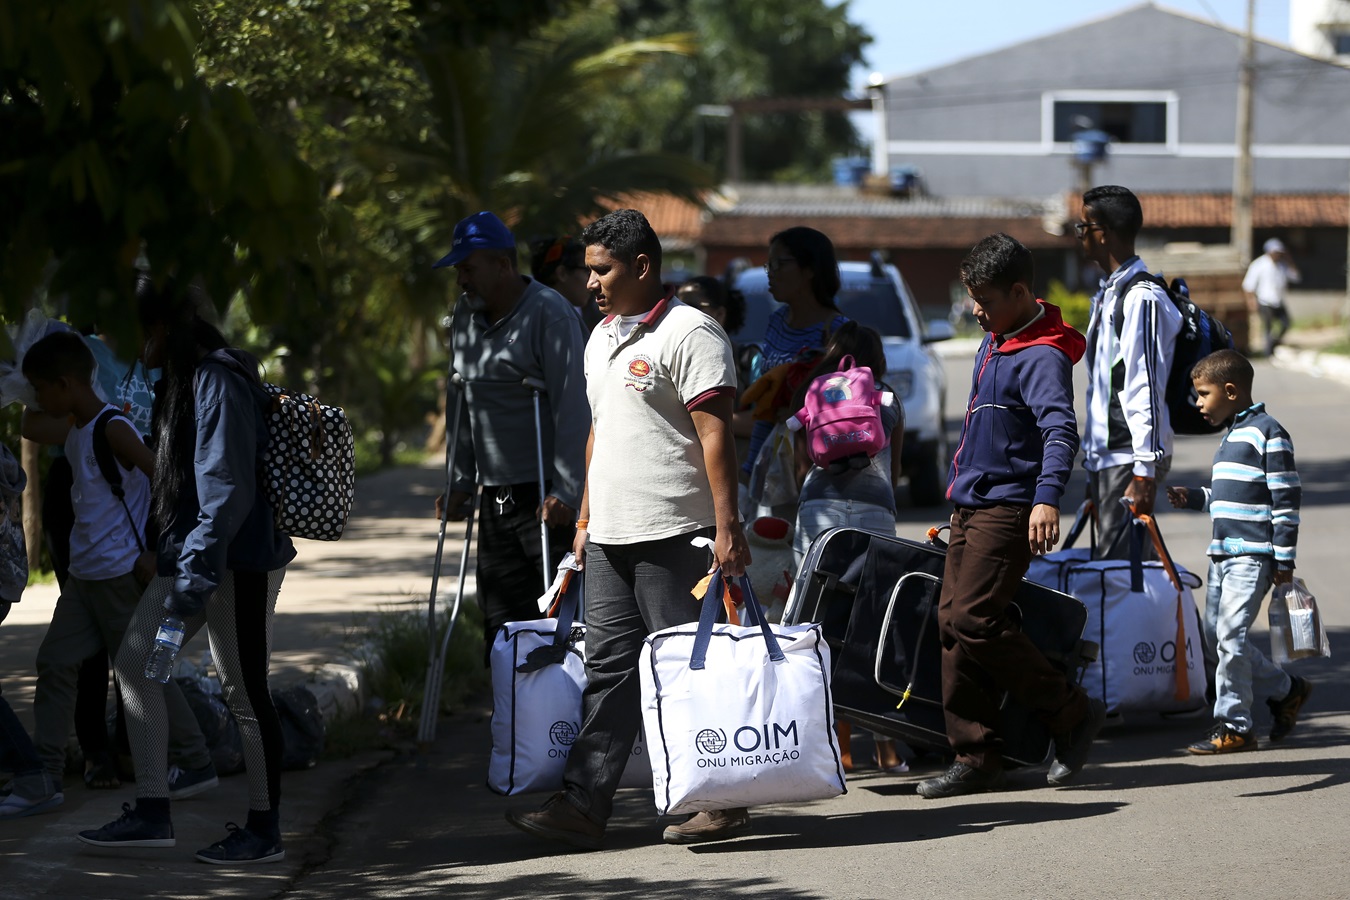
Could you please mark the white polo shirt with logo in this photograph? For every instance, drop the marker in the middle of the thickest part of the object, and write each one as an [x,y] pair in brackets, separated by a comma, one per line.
[647,479]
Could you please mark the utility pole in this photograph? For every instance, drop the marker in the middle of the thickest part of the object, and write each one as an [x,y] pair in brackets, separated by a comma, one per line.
[1242,173]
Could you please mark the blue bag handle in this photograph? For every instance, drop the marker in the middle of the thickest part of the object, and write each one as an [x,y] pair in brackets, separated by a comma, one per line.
[712,602]
[556,652]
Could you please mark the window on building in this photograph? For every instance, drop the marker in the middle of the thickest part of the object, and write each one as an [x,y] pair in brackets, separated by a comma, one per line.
[1341,43]
[1140,122]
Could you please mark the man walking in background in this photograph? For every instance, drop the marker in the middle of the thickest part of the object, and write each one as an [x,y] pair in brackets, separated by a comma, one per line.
[1265,284]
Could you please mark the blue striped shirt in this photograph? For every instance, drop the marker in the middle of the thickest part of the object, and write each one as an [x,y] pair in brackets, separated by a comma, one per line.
[1254,495]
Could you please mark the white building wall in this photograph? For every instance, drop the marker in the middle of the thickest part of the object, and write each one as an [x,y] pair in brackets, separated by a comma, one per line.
[1315,24]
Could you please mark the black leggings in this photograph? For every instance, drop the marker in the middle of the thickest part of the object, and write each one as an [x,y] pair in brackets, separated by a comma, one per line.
[238,617]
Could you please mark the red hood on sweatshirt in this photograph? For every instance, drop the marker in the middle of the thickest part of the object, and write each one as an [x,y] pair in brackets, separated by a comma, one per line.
[1049,329]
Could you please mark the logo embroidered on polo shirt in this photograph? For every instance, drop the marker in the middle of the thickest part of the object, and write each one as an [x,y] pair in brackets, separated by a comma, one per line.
[639,376]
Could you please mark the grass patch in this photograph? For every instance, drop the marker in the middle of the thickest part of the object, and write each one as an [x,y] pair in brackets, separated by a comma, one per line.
[368,460]
[41,576]
[396,671]
[394,646]
[1341,347]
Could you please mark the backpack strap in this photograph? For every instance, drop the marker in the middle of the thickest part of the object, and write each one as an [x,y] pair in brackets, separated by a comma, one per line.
[1117,319]
[111,470]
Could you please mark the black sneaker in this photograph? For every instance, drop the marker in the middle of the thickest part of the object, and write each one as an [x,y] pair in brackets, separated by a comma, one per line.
[961,779]
[242,847]
[131,830]
[184,783]
[1071,750]
[1286,711]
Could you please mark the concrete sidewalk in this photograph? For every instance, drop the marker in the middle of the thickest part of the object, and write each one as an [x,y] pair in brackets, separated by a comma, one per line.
[383,562]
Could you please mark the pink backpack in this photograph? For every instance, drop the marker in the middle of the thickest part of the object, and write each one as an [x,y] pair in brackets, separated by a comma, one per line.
[842,415]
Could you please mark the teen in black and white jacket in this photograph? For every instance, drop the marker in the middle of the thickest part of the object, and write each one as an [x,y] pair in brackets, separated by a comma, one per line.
[1127,437]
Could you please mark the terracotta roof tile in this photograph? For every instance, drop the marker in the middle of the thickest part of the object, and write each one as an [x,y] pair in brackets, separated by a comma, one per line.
[868,232]
[1268,210]
[672,218]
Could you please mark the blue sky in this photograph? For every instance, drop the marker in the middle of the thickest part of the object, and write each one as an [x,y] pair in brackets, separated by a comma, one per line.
[913,35]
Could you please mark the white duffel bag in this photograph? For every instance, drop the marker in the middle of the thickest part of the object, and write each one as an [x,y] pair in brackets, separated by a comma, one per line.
[536,713]
[738,715]
[1139,613]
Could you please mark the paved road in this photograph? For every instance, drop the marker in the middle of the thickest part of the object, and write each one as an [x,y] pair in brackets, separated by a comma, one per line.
[1146,821]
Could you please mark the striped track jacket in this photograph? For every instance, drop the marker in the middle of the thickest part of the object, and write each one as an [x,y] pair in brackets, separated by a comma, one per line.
[1255,492]
[1127,421]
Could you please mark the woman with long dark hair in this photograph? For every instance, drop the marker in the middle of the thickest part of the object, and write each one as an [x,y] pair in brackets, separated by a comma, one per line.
[220,564]
[804,277]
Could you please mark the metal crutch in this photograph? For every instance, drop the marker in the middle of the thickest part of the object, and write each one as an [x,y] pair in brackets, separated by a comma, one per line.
[431,692]
[537,387]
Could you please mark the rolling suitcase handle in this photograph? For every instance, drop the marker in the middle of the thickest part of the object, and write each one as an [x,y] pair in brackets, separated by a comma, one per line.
[886,629]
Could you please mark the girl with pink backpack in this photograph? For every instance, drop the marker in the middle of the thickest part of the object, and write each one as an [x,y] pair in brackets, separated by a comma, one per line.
[848,455]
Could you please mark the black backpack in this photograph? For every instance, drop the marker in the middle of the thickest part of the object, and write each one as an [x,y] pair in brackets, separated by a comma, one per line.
[111,471]
[1201,334]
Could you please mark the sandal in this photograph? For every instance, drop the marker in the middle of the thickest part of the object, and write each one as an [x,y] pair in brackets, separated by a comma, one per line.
[101,774]
[886,759]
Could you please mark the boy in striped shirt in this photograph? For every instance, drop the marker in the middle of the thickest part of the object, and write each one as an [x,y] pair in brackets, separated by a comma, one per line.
[1253,500]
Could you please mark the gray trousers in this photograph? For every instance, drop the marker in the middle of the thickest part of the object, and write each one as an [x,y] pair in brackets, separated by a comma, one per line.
[632,590]
[241,646]
[1105,488]
[91,616]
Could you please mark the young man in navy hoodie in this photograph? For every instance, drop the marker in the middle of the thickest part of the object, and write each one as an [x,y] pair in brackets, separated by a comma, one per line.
[1007,476]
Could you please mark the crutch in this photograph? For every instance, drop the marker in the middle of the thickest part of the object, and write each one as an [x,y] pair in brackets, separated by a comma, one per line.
[537,387]
[431,692]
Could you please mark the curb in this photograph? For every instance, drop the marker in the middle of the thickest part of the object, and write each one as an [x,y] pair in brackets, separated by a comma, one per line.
[1335,366]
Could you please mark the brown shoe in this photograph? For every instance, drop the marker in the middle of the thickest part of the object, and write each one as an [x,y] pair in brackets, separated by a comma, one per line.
[559,820]
[713,825]
[1286,711]
[1224,739]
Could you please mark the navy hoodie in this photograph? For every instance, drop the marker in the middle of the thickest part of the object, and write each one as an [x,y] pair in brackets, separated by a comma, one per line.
[223,519]
[1020,434]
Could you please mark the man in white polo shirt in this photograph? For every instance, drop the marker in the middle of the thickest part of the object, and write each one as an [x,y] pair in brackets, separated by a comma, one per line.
[660,470]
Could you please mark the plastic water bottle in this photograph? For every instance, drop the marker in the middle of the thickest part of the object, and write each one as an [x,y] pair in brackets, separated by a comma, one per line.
[168,641]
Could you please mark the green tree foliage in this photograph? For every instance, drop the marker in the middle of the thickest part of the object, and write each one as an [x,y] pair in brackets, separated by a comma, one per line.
[112,146]
[766,48]
[517,127]
[334,77]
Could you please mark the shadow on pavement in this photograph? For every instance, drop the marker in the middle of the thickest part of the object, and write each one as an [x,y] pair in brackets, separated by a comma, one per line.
[813,832]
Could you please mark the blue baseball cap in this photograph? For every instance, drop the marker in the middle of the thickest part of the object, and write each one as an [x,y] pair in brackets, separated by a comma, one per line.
[480,231]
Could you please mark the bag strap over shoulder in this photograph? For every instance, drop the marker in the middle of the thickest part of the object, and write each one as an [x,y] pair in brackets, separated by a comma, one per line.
[111,470]
[1142,275]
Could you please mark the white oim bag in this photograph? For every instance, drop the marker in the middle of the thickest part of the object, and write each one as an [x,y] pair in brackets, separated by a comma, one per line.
[738,715]
[1139,613]
[538,675]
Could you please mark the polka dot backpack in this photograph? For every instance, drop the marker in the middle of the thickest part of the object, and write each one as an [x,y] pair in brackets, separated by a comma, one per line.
[310,465]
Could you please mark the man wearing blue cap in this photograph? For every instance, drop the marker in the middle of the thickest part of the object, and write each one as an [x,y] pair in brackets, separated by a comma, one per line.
[505,329]
[1265,283]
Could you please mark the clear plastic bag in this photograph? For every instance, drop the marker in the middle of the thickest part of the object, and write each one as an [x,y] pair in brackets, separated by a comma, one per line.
[773,478]
[13,386]
[1296,629]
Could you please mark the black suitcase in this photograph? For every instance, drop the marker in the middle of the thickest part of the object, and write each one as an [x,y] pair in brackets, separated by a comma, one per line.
[876,597]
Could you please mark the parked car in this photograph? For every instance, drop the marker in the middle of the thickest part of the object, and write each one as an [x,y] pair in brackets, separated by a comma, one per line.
[875,294]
